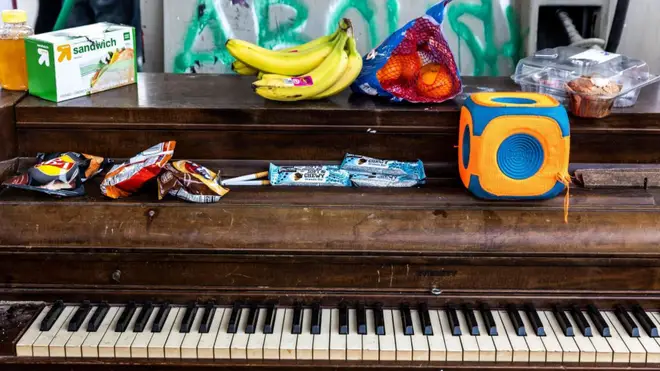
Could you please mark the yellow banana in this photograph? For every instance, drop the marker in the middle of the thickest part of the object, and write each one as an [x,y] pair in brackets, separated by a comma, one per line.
[352,71]
[243,69]
[317,81]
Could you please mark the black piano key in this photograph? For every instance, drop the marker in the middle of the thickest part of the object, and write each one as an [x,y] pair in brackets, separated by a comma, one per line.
[563,321]
[425,318]
[207,318]
[97,317]
[143,317]
[406,320]
[626,321]
[379,319]
[343,319]
[79,316]
[315,328]
[271,314]
[534,319]
[580,321]
[647,324]
[125,317]
[489,321]
[517,322]
[188,318]
[296,326]
[161,317]
[601,325]
[473,326]
[361,316]
[453,320]
[52,316]
[234,318]
[253,317]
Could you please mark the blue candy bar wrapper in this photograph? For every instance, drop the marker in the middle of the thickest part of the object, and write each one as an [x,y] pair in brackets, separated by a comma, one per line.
[317,176]
[384,181]
[369,165]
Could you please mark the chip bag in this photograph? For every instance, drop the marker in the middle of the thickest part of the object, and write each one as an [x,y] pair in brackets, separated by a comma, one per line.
[59,174]
[127,178]
[413,64]
[191,182]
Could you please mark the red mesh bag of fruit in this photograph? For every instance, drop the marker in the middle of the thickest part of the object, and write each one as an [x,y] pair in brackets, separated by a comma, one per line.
[414,64]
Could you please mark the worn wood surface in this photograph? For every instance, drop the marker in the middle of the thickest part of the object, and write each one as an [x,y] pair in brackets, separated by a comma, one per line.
[208,124]
[8,123]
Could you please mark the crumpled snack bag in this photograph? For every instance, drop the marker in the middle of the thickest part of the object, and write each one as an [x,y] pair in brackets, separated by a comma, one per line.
[414,64]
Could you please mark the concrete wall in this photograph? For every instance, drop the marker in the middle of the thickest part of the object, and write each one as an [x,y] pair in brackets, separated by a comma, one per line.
[481,33]
[484,35]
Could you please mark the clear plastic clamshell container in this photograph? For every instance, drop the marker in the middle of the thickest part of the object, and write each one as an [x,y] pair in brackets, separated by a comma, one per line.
[549,71]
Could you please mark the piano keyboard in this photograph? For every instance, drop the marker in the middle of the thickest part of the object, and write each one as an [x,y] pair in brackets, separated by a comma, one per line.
[407,333]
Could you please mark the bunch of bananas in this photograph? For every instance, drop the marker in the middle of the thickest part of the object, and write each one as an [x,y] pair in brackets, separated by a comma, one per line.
[318,69]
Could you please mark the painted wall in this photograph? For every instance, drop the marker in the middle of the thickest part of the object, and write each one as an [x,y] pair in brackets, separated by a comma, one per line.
[483,34]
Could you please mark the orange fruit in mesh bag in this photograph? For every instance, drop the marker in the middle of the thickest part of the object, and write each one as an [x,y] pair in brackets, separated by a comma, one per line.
[391,71]
[435,81]
[410,65]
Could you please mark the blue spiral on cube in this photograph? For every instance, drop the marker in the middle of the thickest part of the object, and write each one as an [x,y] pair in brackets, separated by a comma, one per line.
[520,156]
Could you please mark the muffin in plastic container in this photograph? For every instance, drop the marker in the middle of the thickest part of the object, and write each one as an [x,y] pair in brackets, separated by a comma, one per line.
[592,96]
[549,71]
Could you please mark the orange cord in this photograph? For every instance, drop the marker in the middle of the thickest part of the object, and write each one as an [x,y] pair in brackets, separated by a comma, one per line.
[565,179]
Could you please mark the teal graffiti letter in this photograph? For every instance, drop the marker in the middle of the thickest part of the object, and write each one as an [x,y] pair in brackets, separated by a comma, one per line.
[285,34]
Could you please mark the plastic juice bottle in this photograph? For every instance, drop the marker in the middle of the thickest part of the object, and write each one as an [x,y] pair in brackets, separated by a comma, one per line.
[13,71]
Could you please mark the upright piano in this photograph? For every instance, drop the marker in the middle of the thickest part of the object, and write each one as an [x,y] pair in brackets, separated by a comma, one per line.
[307,278]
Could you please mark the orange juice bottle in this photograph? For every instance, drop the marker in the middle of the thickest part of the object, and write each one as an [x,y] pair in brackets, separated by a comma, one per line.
[13,72]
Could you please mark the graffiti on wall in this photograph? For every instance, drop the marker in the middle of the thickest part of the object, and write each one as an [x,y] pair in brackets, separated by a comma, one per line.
[379,17]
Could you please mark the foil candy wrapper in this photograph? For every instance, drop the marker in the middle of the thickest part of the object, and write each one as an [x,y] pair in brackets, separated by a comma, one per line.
[308,176]
[384,181]
[191,182]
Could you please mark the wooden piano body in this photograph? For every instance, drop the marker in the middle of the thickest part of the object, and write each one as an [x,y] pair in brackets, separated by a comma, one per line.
[435,244]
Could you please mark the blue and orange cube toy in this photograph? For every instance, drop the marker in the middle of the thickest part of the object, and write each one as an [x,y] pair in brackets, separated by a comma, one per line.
[513,145]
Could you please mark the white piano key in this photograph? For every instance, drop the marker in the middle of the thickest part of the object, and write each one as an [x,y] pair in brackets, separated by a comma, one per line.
[649,343]
[56,346]
[322,340]
[534,342]
[603,350]
[386,343]
[123,344]
[587,350]
[207,340]
[272,341]
[90,347]
[173,343]
[469,342]
[420,344]
[503,348]
[403,343]
[621,353]
[337,340]
[255,346]
[24,344]
[156,347]
[453,343]
[518,343]
[288,340]
[487,352]
[353,339]
[554,338]
[305,342]
[238,349]
[223,339]
[73,347]
[40,347]
[655,318]
[140,346]
[106,347]
[191,339]
[370,340]
[637,352]
[437,348]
